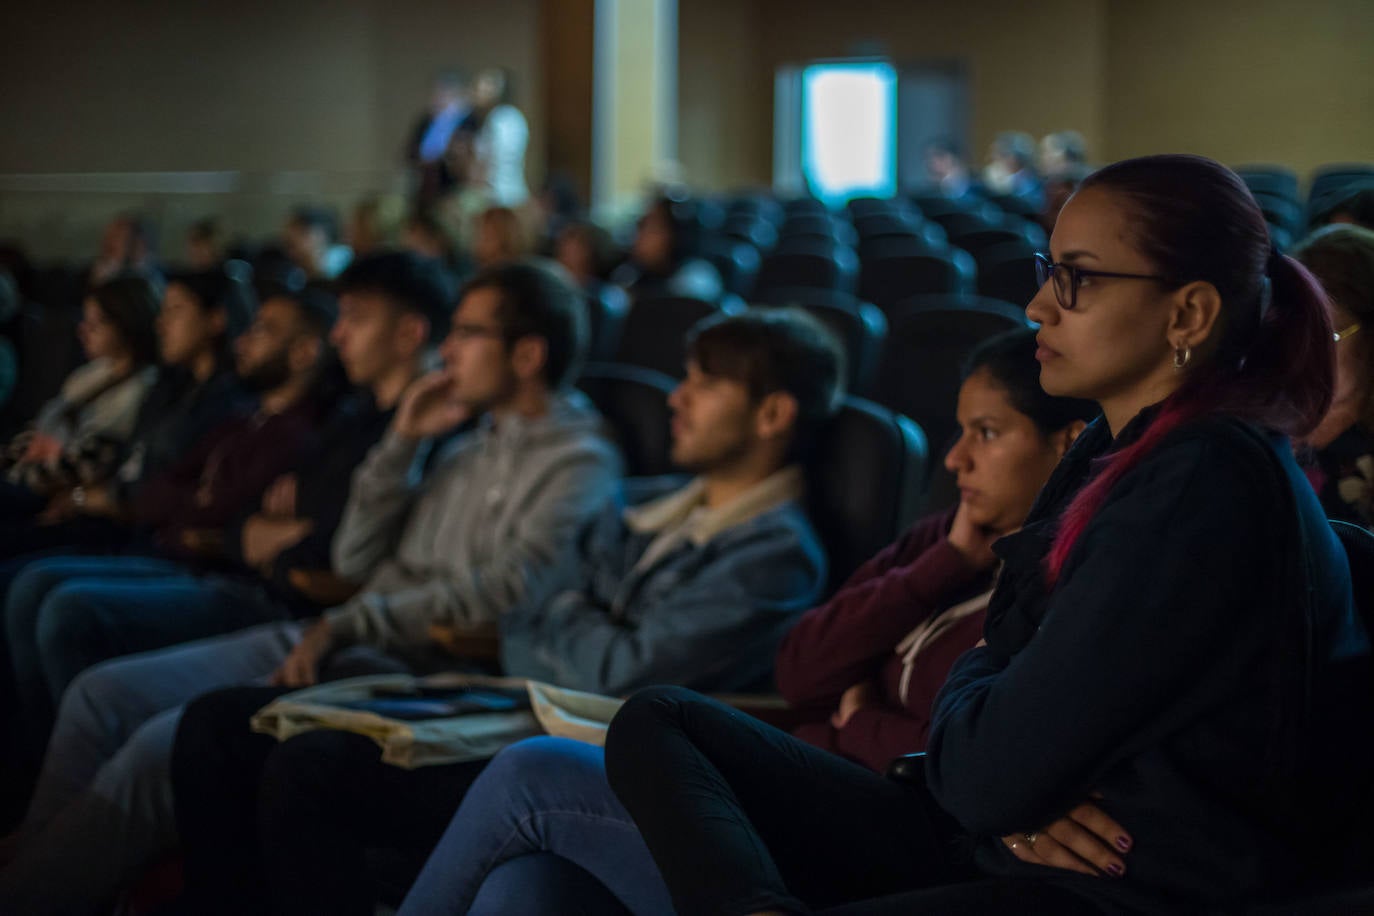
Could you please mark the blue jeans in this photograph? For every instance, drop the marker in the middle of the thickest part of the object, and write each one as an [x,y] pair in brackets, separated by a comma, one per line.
[538,802]
[66,613]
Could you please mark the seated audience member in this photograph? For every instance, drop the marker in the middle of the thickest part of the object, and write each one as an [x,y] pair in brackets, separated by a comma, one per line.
[696,586]
[204,245]
[426,236]
[586,251]
[663,256]
[555,207]
[1059,187]
[1011,168]
[126,247]
[196,389]
[311,242]
[947,170]
[1139,733]
[365,233]
[439,531]
[1062,151]
[65,613]
[1353,205]
[95,412]
[1342,472]
[868,662]
[500,238]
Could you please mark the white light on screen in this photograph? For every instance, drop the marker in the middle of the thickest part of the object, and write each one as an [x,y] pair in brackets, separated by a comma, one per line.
[849,132]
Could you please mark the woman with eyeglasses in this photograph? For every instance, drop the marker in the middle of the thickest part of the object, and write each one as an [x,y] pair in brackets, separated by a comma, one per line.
[1342,465]
[1161,718]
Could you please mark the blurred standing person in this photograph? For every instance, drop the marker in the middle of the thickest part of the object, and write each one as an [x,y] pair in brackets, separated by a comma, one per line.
[430,138]
[499,145]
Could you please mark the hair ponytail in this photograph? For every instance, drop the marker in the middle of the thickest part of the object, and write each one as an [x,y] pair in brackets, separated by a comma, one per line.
[1274,364]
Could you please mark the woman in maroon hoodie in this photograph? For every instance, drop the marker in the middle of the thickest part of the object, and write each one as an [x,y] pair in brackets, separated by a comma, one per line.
[870,660]
[541,825]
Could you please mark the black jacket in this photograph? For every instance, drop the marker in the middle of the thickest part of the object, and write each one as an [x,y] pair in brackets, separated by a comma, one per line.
[1170,670]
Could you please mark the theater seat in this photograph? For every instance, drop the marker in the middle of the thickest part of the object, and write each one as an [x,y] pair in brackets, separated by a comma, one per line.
[817,226]
[607,306]
[1007,272]
[859,327]
[809,262]
[736,261]
[634,402]
[886,280]
[928,340]
[655,331]
[864,482]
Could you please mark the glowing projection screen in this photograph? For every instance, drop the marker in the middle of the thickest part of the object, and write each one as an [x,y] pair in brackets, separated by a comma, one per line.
[849,130]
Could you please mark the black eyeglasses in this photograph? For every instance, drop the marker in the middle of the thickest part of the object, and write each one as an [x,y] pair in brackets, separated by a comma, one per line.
[1067,277]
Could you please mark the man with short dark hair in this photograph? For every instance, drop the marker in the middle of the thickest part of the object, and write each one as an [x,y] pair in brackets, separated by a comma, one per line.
[694,585]
[438,528]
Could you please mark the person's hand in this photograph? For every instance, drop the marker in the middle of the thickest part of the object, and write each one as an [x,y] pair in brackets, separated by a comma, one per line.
[59,508]
[302,666]
[427,409]
[851,701]
[42,449]
[202,541]
[99,500]
[1085,840]
[973,541]
[264,538]
[279,501]
[321,586]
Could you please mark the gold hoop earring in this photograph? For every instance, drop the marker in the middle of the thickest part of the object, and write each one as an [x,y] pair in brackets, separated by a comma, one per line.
[1181,356]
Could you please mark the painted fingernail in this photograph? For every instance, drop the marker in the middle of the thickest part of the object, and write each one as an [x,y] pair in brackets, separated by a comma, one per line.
[1123,843]
[1116,870]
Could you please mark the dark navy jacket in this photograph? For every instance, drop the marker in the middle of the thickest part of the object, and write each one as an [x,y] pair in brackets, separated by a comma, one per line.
[1200,663]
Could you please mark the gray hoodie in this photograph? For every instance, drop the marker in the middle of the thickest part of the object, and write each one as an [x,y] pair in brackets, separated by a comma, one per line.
[493,522]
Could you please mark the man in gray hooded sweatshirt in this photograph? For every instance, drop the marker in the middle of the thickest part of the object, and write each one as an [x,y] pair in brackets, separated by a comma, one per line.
[440,532]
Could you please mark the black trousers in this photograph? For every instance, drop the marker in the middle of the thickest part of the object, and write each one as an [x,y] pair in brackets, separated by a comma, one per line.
[741,817]
[315,824]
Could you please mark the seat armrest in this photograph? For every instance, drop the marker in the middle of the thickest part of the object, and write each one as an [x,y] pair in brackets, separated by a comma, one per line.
[908,768]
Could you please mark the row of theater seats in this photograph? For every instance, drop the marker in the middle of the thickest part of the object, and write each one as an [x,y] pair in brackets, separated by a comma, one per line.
[1276,189]
[883,250]
[866,477]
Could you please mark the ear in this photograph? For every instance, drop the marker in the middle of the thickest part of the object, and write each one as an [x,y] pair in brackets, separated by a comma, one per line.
[412,333]
[1062,439]
[528,357]
[776,415]
[219,321]
[1197,311]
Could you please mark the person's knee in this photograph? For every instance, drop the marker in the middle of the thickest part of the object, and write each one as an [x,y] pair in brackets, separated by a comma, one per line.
[647,711]
[532,758]
[303,772]
[540,883]
[64,630]
[23,601]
